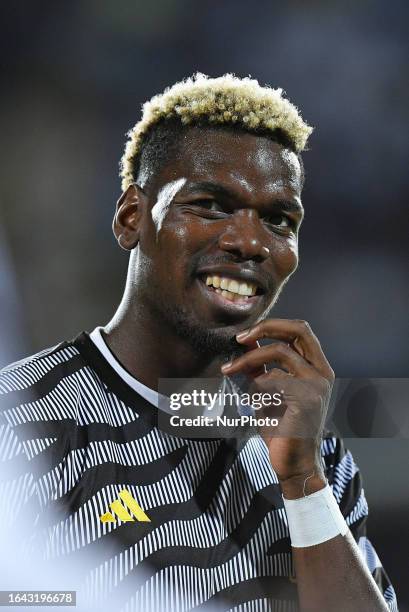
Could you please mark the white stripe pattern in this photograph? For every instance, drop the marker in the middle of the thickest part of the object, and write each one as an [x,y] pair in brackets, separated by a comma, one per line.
[369,553]
[344,472]
[36,446]
[82,400]
[245,565]
[359,510]
[26,372]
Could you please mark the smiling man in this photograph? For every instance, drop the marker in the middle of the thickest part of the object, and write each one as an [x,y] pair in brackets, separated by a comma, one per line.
[210,213]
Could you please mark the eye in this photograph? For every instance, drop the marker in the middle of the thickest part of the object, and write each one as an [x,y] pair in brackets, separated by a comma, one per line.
[280,221]
[212,205]
[206,208]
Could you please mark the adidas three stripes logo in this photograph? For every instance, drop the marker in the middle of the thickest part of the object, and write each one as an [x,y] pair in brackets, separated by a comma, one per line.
[121,511]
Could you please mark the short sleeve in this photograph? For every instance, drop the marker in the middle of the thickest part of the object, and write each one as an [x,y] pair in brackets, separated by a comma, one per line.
[345,480]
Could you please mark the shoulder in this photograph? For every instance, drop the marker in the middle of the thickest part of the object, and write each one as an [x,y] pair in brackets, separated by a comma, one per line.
[343,474]
[333,450]
[37,389]
[346,482]
[29,370]
[341,470]
[38,400]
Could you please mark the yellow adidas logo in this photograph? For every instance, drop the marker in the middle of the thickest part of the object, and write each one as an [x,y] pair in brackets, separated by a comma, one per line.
[131,503]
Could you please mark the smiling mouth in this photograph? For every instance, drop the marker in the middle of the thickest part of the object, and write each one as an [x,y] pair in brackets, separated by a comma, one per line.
[232,290]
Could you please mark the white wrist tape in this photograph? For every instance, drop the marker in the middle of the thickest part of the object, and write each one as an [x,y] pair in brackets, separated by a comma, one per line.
[314,519]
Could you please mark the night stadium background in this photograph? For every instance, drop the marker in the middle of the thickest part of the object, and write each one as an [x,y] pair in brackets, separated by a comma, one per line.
[74,78]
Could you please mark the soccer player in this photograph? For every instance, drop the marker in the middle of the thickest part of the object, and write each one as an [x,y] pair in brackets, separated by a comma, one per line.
[210,213]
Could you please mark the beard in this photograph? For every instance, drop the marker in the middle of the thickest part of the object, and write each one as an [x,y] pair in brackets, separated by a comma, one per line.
[204,340]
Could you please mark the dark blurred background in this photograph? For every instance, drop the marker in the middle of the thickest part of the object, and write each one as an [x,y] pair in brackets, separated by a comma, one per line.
[74,78]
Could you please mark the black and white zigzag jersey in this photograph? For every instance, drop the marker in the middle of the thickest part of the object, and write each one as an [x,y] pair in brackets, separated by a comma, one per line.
[212,531]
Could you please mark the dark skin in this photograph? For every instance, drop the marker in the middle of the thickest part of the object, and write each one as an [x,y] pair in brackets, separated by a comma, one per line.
[230,204]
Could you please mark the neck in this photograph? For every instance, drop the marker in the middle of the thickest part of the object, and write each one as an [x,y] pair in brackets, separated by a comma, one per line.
[148,355]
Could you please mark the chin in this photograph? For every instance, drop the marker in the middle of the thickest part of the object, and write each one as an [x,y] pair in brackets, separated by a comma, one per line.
[210,340]
[203,336]
[215,342]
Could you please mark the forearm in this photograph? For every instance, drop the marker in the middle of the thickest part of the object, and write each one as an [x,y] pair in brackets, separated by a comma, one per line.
[332,576]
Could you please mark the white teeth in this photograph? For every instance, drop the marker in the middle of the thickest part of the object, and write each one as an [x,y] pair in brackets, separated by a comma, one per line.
[231,288]
[244,289]
[231,285]
[228,295]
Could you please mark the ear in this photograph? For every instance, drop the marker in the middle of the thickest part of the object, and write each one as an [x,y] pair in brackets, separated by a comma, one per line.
[127,219]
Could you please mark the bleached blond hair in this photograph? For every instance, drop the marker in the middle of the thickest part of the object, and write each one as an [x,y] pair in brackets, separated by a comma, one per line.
[225,100]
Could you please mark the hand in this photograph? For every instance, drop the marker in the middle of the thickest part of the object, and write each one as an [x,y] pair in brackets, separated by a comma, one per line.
[305,379]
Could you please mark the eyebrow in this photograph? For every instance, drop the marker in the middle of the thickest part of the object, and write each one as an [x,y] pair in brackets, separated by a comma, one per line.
[214,188]
[290,206]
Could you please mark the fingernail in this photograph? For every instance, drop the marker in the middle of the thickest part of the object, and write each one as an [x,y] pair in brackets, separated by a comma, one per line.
[226,366]
[242,334]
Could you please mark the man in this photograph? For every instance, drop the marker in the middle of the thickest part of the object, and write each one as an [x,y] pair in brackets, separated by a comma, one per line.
[210,213]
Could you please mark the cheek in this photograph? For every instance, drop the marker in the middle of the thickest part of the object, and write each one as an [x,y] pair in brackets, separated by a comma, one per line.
[181,233]
[286,256]
[174,250]
[293,248]
[184,235]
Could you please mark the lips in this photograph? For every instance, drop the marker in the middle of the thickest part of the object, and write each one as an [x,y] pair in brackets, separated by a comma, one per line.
[232,290]
[223,301]
[241,274]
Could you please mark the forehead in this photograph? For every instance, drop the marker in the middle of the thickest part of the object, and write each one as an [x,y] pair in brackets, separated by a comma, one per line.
[254,165]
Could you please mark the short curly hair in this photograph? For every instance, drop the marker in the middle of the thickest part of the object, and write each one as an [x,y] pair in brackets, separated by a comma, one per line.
[227,101]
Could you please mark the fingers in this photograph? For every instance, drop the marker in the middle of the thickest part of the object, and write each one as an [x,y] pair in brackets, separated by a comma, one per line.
[278,352]
[262,369]
[298,333]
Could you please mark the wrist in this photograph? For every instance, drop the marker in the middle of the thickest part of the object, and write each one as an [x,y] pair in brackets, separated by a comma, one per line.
[300,485]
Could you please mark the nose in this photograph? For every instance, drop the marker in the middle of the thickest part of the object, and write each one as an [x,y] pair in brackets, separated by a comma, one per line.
[245,236]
